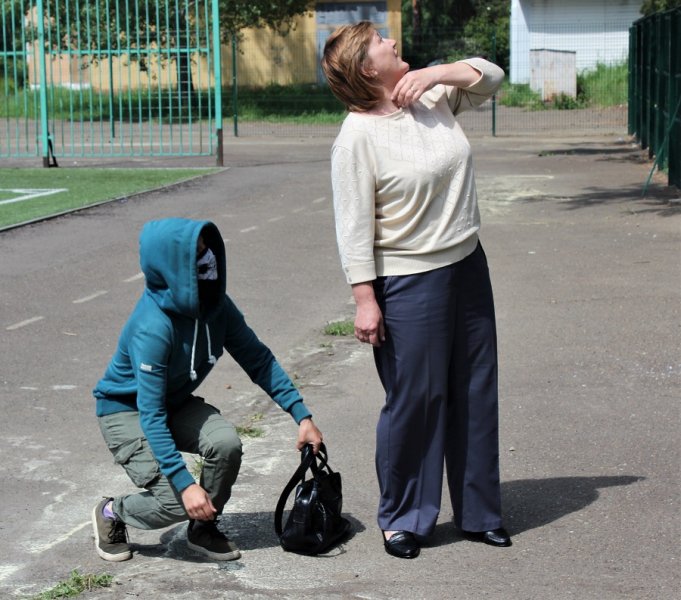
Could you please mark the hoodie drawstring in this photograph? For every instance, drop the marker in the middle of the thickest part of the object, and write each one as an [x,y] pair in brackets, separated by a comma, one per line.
[211,358]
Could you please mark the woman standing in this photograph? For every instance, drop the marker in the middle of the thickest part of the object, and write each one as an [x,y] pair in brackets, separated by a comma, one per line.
[407,226]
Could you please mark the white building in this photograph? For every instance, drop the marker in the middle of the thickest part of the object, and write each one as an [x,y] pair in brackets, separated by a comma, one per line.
[596,31]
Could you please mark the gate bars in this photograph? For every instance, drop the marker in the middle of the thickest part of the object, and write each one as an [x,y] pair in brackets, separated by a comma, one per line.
[106,78]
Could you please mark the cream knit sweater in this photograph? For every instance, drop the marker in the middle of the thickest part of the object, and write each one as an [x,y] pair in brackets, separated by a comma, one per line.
[403,184]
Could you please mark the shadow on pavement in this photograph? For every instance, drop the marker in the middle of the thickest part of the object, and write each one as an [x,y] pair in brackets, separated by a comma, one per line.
[532,503]
[661,201]
[250,531]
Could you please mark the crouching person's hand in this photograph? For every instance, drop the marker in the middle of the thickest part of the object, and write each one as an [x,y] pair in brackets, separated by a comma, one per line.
[197,503]
[309,434]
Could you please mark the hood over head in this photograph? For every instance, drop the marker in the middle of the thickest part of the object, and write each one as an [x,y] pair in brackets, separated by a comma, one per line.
[168,255]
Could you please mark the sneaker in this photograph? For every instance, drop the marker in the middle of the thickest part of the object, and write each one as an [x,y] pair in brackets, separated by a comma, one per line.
[111,537]
[205,537]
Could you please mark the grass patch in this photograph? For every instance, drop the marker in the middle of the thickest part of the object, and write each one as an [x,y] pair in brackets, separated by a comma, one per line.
[604,86]
[81,187]
[519,95]
[304,104]
[309,104]
[299,104]
[340,328]
[75,585]
[131,105]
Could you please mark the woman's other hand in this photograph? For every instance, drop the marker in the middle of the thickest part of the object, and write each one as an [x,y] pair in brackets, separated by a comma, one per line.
[369,326]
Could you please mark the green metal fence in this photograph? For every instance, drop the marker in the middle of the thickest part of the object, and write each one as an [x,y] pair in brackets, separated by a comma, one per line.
[655,89]
[103,78]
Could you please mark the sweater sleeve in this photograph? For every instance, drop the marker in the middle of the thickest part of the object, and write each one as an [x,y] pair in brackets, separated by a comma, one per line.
[491,78]
[354,190]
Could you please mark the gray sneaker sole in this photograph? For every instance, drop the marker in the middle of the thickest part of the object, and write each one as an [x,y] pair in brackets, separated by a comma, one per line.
[118,557]
[234,555]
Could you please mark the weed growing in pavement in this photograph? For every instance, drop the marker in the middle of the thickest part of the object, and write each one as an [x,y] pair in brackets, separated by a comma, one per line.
[75,585]
[340,328]
[249,429]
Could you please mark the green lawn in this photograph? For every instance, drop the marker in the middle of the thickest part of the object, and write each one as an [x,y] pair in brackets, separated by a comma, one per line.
[28,194]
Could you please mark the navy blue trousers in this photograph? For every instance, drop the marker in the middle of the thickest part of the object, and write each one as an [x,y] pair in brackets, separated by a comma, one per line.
[438,367]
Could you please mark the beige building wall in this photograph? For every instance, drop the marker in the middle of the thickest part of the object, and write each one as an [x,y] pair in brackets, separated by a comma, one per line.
[265,57]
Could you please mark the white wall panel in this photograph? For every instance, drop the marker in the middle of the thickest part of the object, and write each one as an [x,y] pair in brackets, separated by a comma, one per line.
[596,30]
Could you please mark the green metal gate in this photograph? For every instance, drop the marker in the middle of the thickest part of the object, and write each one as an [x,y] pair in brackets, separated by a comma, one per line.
[107,78]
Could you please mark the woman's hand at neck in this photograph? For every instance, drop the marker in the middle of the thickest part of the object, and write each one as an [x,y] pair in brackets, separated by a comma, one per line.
[415,83]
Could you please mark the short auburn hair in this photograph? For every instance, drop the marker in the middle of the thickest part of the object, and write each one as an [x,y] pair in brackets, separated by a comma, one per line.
[343,63]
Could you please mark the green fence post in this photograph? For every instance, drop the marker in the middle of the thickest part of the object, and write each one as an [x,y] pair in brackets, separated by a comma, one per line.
[42,67]
[217,72]
[235,107]
[631,89]
[494,96]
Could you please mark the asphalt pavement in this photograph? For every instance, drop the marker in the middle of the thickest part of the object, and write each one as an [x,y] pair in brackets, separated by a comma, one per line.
[587,280]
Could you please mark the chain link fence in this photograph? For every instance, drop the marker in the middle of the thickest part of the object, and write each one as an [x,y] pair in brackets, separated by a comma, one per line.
[573,81]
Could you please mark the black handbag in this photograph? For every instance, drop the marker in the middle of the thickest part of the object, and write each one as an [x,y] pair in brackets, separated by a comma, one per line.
[315,523]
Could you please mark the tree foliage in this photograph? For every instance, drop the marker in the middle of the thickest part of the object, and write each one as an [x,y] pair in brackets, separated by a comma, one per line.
[650,7]
[236,15]
[444,30]
[89,24]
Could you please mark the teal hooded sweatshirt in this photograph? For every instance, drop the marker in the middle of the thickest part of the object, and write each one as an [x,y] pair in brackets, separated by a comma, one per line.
[169,344]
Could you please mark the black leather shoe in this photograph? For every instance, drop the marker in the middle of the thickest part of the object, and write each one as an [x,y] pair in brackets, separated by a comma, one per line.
[495,537]
[402,544]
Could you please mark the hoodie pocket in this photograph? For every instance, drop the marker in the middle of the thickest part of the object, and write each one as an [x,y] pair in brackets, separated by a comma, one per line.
[139,463]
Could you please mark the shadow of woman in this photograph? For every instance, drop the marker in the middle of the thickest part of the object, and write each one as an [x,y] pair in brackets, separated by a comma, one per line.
[532,503]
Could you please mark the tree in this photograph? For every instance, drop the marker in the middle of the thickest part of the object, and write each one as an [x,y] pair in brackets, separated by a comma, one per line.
[124,27]
[12,64]
[650,7]
[424,20]
[439,30]
[236,15]
[488,32]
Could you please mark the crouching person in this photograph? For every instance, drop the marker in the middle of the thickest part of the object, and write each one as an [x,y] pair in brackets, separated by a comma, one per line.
[145,403]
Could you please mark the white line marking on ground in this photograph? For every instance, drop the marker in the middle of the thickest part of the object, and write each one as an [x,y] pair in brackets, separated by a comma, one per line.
[29,194]
[139,275]
[299,209]
[24,323]
[58,388]
[318,200]
[275,219]
[28,387]
[7,570]
[41,547]
[90,297]
[248,229]
[530,176]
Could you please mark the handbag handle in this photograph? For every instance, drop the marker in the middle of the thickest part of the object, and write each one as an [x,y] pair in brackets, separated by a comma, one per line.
[308,460]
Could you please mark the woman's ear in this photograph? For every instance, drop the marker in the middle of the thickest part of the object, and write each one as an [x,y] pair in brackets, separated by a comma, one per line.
[369,71]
